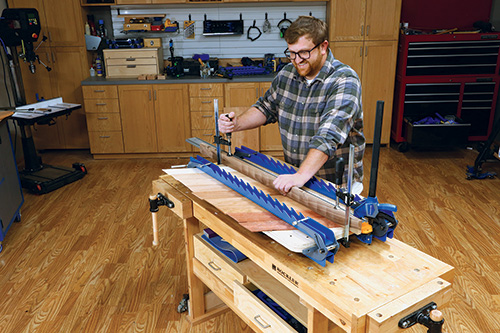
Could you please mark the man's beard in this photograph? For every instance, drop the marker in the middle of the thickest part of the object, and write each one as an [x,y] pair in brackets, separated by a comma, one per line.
[309,69]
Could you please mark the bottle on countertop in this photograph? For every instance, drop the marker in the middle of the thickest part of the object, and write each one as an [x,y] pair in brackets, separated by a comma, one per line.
[87,28]
[101,29]
[98,66]
[92,71]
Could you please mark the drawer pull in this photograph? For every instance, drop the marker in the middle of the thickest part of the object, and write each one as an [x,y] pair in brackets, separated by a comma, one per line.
[98,90]
[102,118]
[205,134]
[265,325]
[207,116]
[214,266]
[100,104]
[131,66]
[206,102]
[130,59]
[205,88]
[104,136]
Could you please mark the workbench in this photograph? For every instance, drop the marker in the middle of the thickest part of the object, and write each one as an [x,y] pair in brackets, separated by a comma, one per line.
[368,288]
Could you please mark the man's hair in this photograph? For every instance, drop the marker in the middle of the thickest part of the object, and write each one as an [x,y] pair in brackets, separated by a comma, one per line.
[308,26]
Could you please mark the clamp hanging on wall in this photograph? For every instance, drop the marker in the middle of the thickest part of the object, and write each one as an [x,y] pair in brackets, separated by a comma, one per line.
[253,27]
[283,25]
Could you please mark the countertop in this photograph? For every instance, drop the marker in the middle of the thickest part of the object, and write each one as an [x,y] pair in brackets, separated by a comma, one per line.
[92,81]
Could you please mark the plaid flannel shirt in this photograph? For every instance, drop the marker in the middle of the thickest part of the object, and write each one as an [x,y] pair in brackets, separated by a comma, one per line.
[325,115]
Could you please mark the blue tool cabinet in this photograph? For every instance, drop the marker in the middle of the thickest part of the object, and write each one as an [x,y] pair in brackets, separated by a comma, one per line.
[11,195]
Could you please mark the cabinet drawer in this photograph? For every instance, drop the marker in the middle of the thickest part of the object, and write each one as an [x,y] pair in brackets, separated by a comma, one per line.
[102,122]
[130,70]
[203,120]
[206,134]
[257,312]
[106,142]
[131,61]
[94,92]
[102,105]
[217,263]
[206,89]
[205,103]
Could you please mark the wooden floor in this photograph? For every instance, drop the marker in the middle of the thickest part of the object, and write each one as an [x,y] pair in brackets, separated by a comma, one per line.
[82,260]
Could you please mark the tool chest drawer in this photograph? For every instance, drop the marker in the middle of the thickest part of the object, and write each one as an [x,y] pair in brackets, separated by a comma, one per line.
[217,263]
[97,122]
[127,63]
[203,120]
[256,311]
[102,105]
[207,90]
[96,92]
[108,142]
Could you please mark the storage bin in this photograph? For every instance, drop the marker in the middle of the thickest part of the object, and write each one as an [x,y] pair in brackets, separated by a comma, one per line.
[436,135]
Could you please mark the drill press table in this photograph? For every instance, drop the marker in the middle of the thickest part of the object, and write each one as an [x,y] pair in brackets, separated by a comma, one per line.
[369,288]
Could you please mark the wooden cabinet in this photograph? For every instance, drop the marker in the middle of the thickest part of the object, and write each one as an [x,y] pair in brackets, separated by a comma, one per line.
[375,64]
[155,118]
[363,34]
[246,94]
[64,52]
[144,2]
[201,105]
[103,119]
[172,117]
[363,19]
[138,118]
[130,63]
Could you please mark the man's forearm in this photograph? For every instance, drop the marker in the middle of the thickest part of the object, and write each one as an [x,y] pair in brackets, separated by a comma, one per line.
[312,163]
[251,118]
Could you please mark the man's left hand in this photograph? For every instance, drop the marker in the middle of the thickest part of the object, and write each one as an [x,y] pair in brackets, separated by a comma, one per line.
[284,183]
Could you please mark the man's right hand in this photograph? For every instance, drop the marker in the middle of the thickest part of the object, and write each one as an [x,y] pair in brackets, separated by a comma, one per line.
[226,125]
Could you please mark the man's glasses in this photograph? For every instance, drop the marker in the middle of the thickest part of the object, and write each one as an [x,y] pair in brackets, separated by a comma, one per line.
[302,54]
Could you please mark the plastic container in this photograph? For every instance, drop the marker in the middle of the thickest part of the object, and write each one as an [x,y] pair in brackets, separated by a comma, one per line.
[98,66]
[92,71]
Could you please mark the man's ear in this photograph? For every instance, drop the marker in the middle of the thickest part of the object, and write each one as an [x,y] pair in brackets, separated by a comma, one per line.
[324,47]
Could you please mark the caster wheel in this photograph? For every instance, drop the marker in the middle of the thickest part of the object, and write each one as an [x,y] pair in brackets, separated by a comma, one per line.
[1,248]
[403,147]
[18,218]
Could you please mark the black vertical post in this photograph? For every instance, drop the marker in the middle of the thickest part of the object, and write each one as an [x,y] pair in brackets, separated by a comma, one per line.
[376,149]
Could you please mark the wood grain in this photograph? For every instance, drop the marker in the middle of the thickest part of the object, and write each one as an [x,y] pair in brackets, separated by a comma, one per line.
[82,259]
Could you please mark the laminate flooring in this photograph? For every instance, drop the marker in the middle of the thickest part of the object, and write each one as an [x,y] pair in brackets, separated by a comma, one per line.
[82,260]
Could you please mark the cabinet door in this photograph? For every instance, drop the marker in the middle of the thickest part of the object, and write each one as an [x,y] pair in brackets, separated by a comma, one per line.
[69,70]
[382,19]
[138,118]
[241,94]
[349,53]
[172,117]
[65,22]
[377,82]
[346,19]
[270,139]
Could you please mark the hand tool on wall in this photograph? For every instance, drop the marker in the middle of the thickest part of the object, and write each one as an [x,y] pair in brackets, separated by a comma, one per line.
[253,27]
[266,27]
[189,28]
[283,25]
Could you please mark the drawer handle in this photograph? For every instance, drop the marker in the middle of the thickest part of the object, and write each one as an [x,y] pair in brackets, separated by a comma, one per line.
[98,90]
[205,88]
[204,134]
[100,104]
[265,325]
[214,266]
[205,116]
[206,102]
[131,66]
[104,136]
[102,118]
[130,59]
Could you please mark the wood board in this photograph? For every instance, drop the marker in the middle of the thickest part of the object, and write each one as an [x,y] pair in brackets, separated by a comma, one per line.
[246,212]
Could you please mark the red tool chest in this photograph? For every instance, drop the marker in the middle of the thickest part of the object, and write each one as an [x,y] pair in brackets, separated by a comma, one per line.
[454,75]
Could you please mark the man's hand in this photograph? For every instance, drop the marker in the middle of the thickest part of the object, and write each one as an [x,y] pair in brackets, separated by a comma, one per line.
[226,125]
[284,183]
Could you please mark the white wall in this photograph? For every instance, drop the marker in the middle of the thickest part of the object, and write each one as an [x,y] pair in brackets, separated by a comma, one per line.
[235,46]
